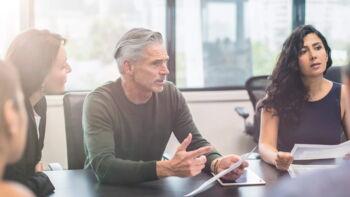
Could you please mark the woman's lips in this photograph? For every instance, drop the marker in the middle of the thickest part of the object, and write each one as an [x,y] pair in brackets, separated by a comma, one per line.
[315,65]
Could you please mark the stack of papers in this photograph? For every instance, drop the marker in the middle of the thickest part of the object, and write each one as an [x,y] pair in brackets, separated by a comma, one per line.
[315,152]
[295,170]
[310,151]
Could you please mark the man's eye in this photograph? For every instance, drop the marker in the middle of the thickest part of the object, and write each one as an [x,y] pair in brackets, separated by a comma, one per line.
[158,64]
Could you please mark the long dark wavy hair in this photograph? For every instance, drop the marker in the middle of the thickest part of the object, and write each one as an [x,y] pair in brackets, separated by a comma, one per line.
[287,93]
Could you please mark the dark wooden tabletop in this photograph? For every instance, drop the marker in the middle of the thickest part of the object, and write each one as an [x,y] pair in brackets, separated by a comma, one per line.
[83,183]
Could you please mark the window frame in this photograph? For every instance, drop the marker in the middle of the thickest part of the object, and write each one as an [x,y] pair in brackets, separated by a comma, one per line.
[298,18]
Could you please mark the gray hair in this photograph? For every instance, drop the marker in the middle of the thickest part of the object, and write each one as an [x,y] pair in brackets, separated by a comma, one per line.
[132,43]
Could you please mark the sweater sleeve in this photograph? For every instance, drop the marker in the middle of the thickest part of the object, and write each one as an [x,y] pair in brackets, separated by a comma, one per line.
[184,124]
[98,126]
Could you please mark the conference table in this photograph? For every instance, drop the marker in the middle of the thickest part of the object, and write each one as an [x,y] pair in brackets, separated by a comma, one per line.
[83,183]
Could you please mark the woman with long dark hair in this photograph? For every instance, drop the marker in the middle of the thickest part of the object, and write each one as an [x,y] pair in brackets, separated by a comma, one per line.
[301,106]
[41,61]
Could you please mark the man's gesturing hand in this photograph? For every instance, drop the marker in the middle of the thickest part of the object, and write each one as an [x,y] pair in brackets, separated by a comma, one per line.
[184,163]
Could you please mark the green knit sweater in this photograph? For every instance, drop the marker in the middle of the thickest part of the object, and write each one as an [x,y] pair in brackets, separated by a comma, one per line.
[123,140]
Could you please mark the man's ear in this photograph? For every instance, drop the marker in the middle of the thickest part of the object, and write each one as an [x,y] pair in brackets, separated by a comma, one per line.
[10,116]
[128,67]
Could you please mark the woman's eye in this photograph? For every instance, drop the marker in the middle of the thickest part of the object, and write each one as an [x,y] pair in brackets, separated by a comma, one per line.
[318,47]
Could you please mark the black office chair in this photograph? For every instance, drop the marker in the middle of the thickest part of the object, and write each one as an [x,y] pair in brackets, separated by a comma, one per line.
[256,88]
[334,73]
[73,108]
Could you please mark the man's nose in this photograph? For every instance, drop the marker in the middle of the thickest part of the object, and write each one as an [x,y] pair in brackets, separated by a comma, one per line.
[164,70]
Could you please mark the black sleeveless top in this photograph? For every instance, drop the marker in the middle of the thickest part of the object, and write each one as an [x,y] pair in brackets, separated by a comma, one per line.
[320,123]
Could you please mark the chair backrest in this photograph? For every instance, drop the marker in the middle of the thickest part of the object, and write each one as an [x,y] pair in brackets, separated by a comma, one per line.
[256,88]
[73,109]
[334,73]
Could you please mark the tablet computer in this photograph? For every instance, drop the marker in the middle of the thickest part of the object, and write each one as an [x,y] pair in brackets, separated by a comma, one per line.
[248,178]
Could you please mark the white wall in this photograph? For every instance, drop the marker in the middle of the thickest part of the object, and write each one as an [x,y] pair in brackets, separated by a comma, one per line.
[55,149]
[213,113]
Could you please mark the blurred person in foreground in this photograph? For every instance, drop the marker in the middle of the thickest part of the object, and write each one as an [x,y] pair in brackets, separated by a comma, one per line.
[13,128]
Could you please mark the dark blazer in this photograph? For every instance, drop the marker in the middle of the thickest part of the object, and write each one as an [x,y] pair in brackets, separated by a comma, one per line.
[24,170]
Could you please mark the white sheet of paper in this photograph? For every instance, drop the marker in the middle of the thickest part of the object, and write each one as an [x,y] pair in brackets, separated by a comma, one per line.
[209,182]
[311,151]
[296,169]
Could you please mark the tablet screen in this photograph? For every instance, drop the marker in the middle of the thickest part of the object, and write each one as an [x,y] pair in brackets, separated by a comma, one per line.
[248,178]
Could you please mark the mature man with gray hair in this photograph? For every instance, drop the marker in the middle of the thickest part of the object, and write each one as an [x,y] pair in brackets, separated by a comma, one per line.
[127,123]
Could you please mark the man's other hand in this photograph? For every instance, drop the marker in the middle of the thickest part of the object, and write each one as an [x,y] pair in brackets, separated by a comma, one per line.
[225,162]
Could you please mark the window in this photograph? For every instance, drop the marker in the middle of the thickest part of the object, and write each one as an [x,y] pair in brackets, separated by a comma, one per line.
[331,19]
[221,43]
[10,21]
[92,28]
